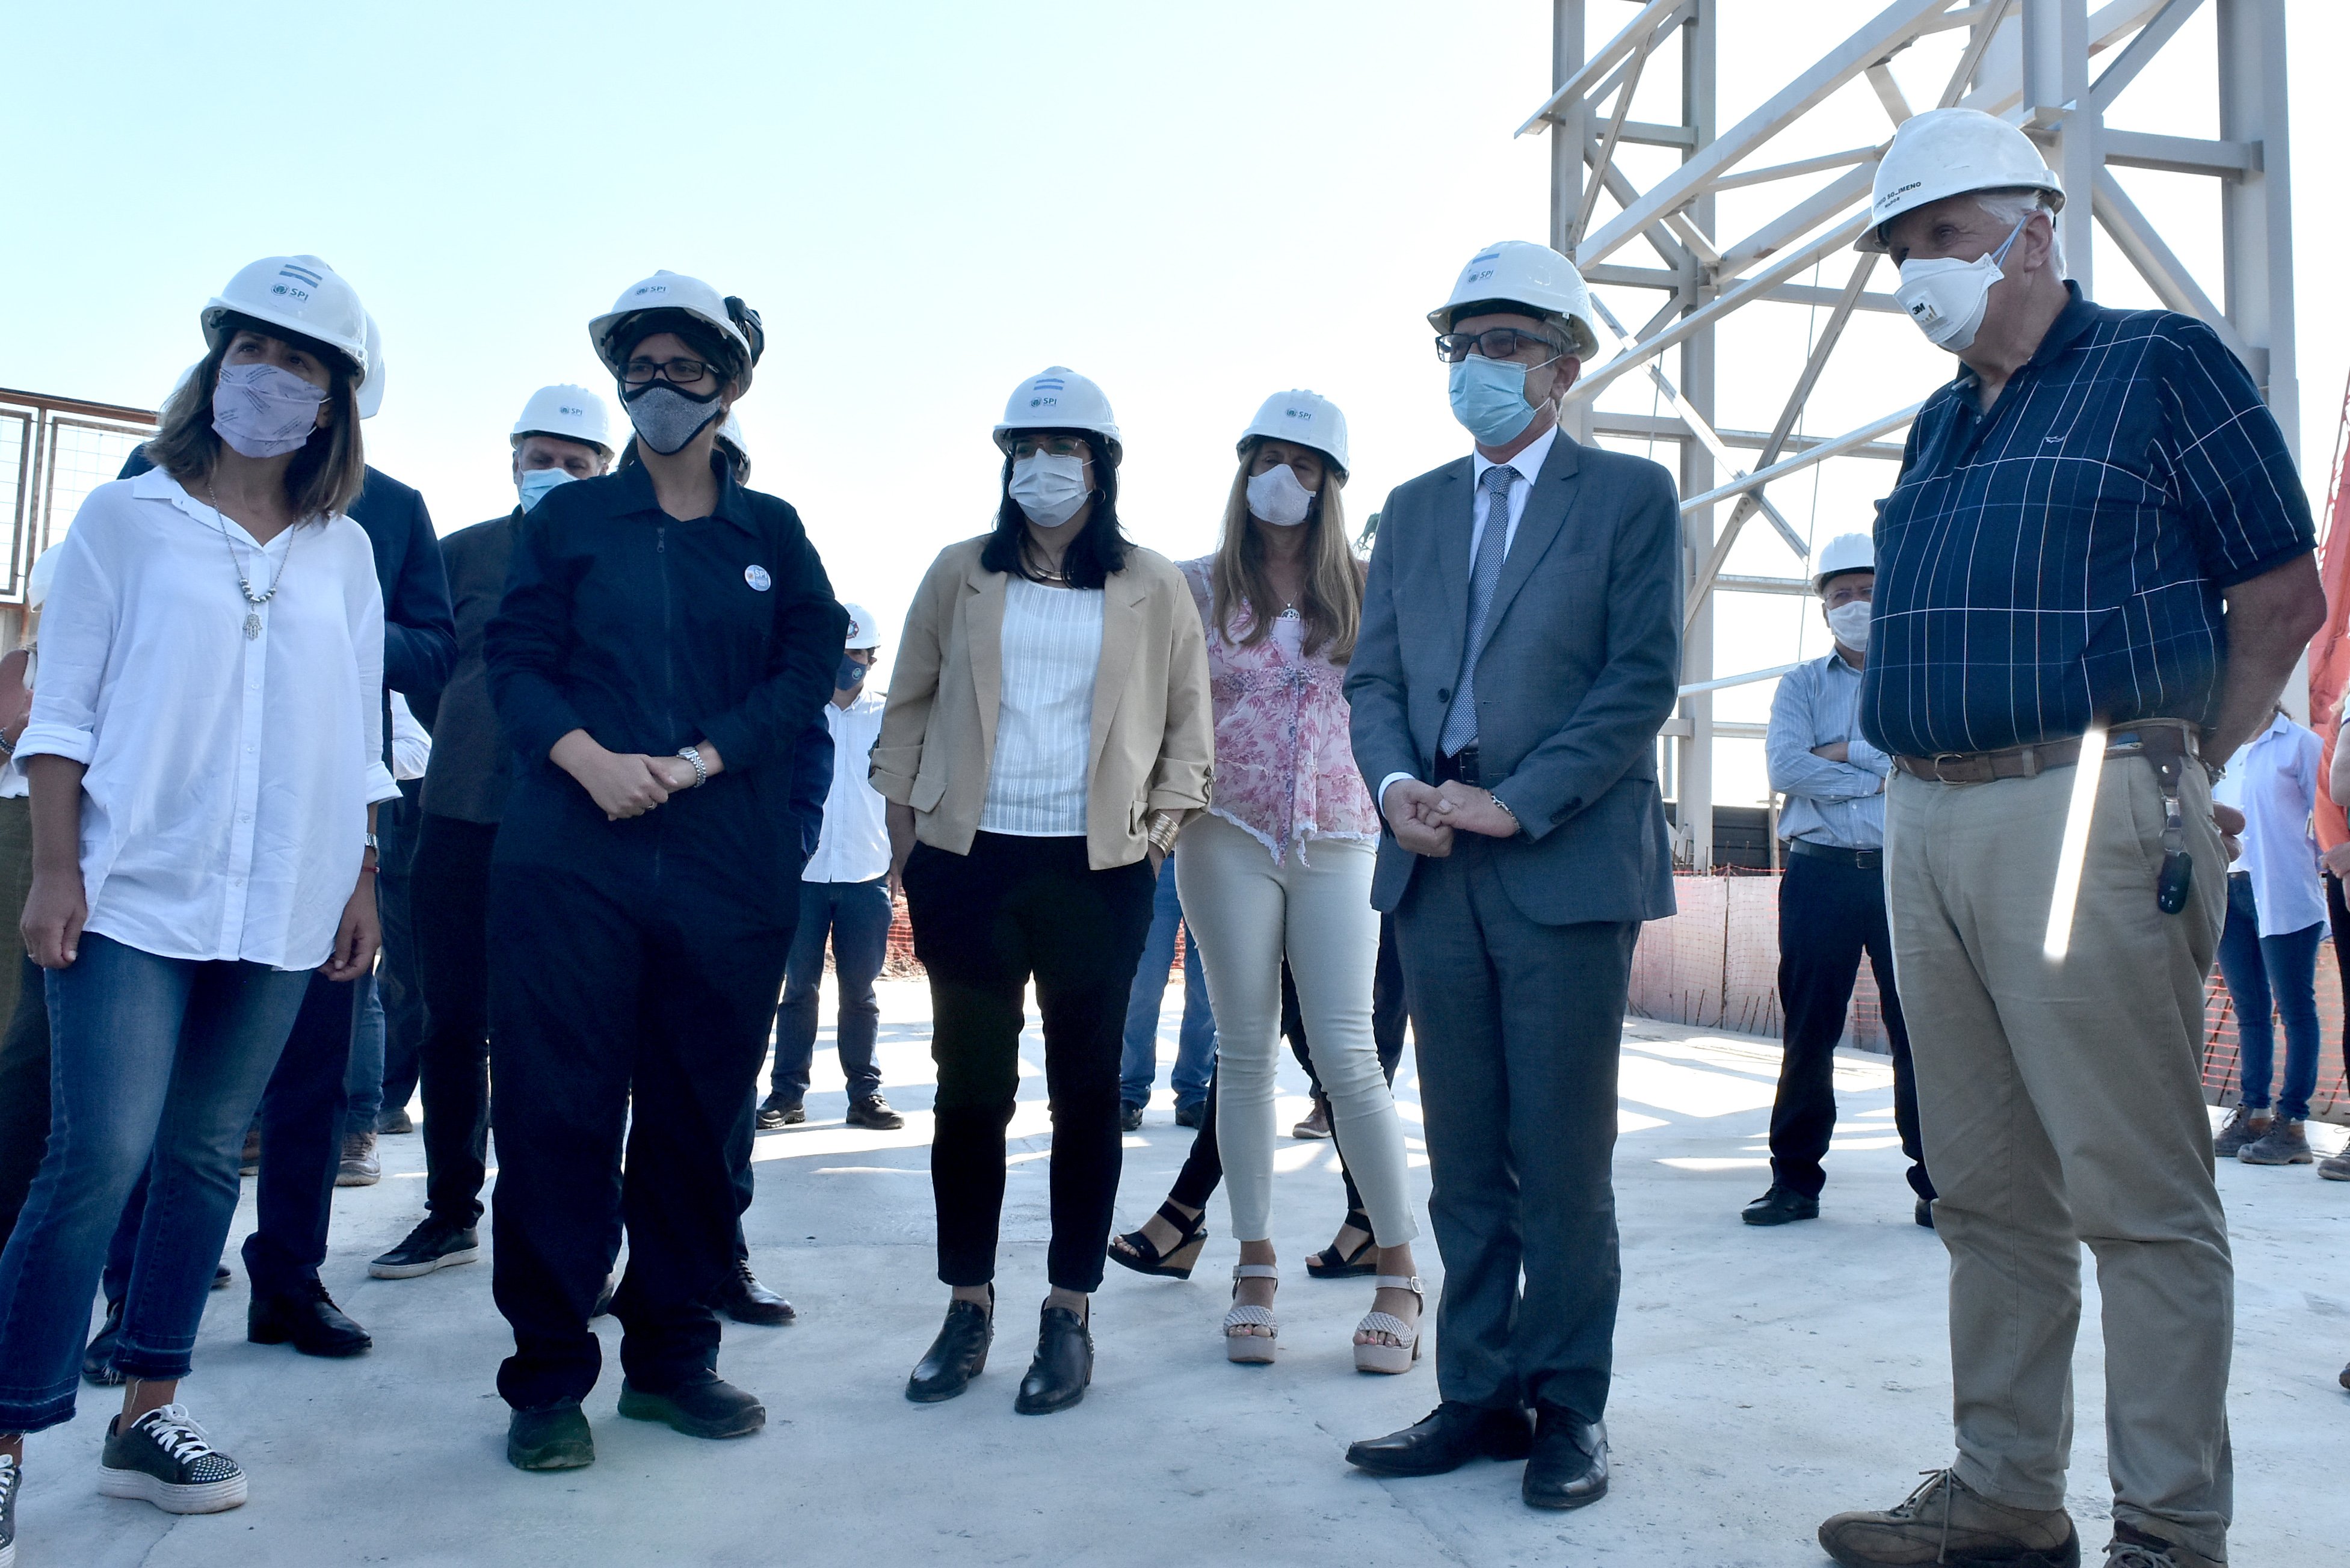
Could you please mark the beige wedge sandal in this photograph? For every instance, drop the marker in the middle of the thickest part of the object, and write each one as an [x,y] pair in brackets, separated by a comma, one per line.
[1240,1343]
[1390,1358]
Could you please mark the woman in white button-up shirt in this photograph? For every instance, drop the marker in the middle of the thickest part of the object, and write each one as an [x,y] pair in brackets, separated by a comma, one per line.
[203,754]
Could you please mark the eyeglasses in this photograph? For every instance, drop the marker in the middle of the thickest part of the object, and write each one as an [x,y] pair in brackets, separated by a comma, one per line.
[1053,446]
[1496,343]
[677,372]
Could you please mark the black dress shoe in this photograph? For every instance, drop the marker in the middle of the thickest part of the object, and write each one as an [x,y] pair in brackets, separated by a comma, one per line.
[776,1111]
[551,1438]
[311,1323]
[957,1355]
[1064,1365]
[1569,1467]
[1129,1118]
[1779,1205]
[873,1111]
[97,1361]
[1444,1439]
[745,1300]
[707,1406]
[1924,1213]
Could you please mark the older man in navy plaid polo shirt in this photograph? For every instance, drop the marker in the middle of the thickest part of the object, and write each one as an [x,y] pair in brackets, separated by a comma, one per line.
[2097,526]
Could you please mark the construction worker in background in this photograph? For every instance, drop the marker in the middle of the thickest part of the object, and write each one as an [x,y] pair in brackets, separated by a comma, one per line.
[2098,538]
[304,1117]
[665,637]
[564,434]
[1832,899]
[844,894]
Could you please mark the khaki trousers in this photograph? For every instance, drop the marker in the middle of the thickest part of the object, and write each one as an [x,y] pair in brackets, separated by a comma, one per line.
[2062,1103]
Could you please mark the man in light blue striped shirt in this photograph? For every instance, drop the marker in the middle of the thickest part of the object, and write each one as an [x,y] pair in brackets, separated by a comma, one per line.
[1832,899]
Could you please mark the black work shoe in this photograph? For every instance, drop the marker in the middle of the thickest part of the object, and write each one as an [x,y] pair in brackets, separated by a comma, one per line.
[97,1361]
[874,1111]
[1781,1206]
[1063,1366]
[1129,1118]
[1191,1116]
[745,1300]
[957,1355]
[776,1111]
[1924,1212]
[436,1243]
[1446,1438]
[311,1323]
[708,1406]
[551,1438]
[1569,1467]
[163,1458]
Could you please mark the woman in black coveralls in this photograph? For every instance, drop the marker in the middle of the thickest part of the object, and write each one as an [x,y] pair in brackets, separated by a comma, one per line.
[665,637]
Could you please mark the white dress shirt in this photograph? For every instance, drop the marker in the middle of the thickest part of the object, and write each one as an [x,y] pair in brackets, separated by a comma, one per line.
[2274,781]
[1529,465]
[855,842]
[1044,714]
[411,743]
[224,809]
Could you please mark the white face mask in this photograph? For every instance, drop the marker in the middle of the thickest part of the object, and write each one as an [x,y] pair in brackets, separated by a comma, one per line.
[1849,624]
[1049,488]
[1275,496]
[1947,298]
[264,410]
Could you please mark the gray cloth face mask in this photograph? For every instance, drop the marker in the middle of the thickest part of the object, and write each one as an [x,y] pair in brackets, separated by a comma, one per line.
[667,419]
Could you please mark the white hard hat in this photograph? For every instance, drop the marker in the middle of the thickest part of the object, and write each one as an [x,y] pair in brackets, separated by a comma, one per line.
[730,434]
[1058,399]
[1519,272]
[301,294]
[37,580]
[1309,419]
[864,631]
[1950,152]
[568,413]
[370,395]
[1844,553]
[668,290]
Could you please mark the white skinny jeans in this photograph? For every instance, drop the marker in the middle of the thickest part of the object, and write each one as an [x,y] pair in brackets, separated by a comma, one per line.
[1246,912]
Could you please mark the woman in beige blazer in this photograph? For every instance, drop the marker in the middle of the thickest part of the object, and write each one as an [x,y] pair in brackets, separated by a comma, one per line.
[1048,732]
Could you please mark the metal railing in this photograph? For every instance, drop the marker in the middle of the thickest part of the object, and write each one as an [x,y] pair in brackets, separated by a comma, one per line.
[53,452]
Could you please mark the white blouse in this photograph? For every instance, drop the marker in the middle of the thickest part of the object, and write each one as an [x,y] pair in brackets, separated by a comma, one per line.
[224,809]
[1044,714]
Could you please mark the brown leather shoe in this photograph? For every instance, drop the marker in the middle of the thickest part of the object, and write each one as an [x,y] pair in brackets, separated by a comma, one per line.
[1945,1522]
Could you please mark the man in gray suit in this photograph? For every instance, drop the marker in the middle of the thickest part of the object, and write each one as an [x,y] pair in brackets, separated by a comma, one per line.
[1520,650]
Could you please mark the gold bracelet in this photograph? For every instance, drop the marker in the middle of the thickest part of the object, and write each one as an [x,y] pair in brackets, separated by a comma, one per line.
[1163,830]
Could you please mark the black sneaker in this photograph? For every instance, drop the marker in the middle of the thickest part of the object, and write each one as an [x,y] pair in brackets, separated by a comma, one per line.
[163,1458]
[436,1243]
[1779,1205]
[11,1478]
[1129,1118]
[97,1361]
[776,1111]
[873,1111]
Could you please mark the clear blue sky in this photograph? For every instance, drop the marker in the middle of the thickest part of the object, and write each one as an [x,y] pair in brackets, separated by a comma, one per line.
[1195,204]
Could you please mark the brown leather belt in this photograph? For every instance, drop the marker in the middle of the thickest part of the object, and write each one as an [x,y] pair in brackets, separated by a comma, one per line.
[2030,762]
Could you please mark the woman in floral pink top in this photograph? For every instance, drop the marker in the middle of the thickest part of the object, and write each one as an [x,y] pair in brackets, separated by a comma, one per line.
[1280,865]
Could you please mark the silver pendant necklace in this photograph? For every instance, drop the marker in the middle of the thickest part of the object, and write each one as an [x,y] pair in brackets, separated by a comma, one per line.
[253,601]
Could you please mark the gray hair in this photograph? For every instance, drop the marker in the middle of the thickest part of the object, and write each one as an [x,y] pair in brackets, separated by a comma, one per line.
[2011,207]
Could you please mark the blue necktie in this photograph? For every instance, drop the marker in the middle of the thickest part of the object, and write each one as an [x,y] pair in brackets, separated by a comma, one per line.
[1484,576]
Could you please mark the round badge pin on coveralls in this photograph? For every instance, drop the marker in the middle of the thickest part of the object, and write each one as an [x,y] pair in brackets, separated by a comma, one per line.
[644,877]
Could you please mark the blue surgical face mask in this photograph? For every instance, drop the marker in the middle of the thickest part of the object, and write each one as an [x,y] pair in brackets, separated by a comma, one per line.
[1489,399]
[532,484]
[849,676]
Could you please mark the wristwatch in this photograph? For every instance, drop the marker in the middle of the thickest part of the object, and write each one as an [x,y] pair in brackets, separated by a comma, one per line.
[700,769]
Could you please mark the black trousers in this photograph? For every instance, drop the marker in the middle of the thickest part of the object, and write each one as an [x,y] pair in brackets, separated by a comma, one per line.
[984,923]
[1829,914]
[24,1095]
[629,1015]
[2337,920]
[395,971]
[448,907]
[302,1116]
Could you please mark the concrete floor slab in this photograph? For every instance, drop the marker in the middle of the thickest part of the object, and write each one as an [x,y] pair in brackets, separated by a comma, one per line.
[1764,1378]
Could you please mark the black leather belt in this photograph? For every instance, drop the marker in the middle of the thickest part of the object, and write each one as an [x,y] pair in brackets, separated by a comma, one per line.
[1859,859]
[1460,764]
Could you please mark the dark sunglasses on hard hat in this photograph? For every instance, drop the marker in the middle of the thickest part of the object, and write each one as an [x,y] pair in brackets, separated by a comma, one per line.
[1496,343]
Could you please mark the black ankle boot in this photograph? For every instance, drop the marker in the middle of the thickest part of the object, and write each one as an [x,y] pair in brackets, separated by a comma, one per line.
[957,1354]
[1064,1365]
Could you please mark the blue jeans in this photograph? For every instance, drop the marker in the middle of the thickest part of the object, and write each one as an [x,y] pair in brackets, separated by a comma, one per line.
[152,1059]
[2265,971]
[363,1079]
[857,917]
[1195,1053]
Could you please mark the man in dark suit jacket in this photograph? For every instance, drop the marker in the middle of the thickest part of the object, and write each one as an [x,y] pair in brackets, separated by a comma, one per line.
[1520,650]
